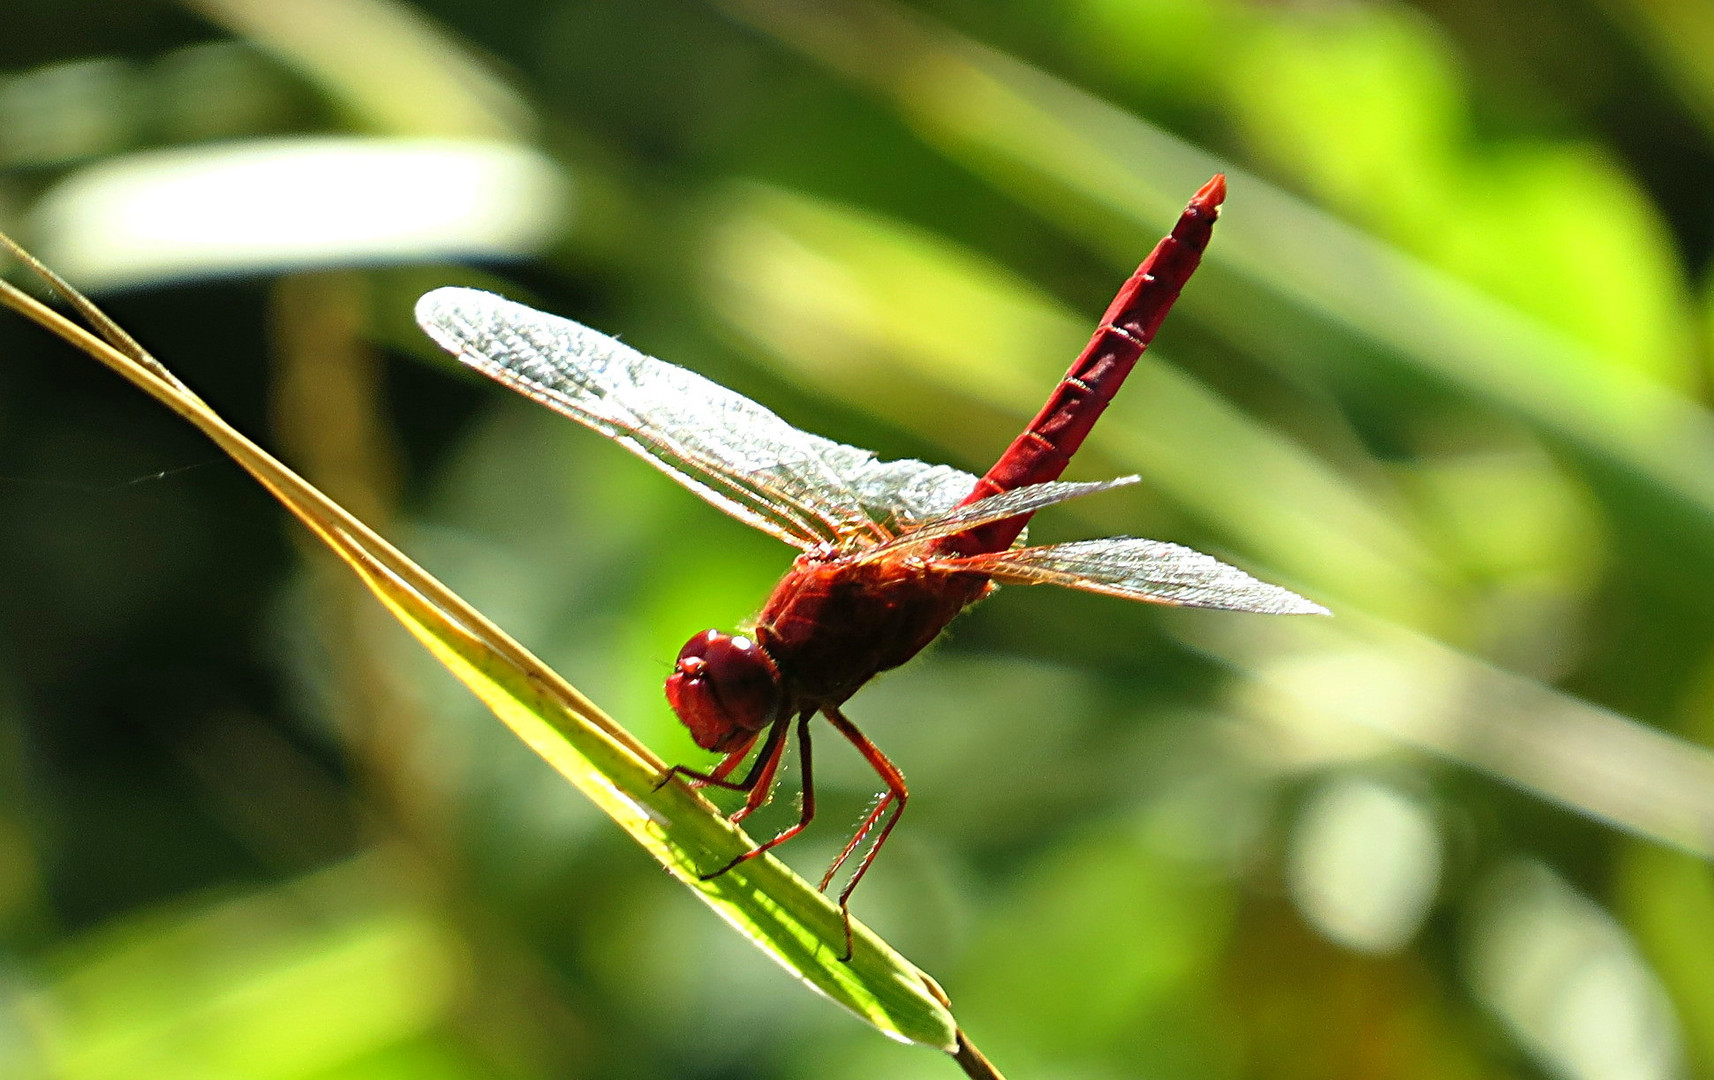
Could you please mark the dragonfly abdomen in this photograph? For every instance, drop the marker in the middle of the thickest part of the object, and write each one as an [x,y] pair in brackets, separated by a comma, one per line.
[1046,446]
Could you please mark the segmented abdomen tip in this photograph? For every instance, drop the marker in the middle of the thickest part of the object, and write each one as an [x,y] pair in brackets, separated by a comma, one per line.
[1211,194]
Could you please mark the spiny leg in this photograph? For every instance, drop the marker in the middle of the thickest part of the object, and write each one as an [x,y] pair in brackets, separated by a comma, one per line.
[716,777]
[896,796]
[731,761]
[762,787]
[808,812]
[884,800]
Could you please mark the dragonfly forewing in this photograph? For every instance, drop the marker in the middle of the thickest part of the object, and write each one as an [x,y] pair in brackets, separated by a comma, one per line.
[731,451]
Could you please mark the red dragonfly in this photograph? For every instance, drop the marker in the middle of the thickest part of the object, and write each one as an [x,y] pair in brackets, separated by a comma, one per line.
[892,551]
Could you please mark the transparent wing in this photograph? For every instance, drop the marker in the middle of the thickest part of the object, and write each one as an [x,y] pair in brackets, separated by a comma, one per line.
[901,495]
[1136,569]
[744,459]
[1007,504]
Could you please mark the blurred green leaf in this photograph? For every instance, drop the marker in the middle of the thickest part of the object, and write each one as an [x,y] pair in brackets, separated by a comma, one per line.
[1122,980]
[270,987]
[1364,106]
[1668,901]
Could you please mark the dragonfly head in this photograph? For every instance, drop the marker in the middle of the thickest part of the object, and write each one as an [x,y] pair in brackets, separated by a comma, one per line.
[724,688]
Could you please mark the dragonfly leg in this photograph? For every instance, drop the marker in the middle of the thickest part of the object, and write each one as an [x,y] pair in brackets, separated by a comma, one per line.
[716,777]
[894,798]
[762,787]
[730,762]
[804,818]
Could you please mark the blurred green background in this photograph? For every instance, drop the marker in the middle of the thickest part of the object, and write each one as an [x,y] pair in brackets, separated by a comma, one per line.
[1446,369]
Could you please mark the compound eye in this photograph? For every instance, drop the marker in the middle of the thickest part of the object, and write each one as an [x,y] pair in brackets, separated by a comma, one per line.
[724,688]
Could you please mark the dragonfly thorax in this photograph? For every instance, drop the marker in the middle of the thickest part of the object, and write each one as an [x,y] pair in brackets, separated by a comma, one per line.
[724,688]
